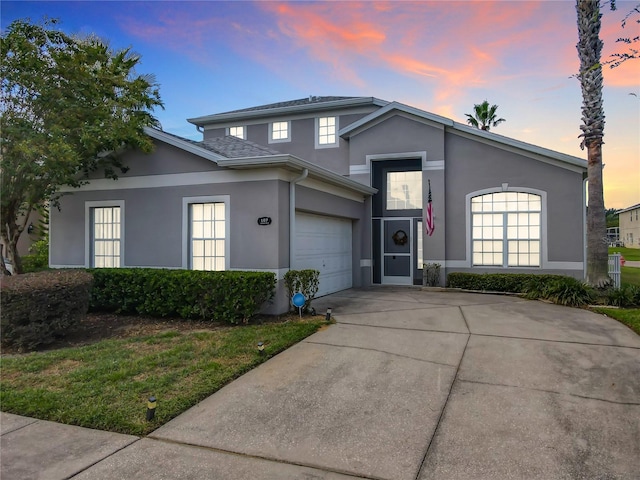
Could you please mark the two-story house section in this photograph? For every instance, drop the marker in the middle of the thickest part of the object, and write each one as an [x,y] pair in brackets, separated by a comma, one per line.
[364,190]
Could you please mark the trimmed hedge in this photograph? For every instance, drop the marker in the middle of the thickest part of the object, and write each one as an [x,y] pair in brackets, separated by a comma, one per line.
[231,296]
[38,308]
[559,289]
[498,282]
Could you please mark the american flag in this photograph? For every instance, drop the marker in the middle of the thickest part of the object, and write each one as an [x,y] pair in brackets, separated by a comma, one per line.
[429,223]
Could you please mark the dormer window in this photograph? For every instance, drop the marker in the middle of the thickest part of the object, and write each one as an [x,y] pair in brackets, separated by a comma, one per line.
[279,132]
[326,132]
[239,132]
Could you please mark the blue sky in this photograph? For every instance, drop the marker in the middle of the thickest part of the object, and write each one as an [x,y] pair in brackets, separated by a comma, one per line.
[442,56]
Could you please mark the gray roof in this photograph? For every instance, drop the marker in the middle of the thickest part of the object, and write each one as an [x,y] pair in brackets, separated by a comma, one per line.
[234,147]
[302,105]
[291,103]
[222,147]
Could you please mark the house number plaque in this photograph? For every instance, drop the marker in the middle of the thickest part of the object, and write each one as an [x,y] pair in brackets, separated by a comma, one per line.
[264,221]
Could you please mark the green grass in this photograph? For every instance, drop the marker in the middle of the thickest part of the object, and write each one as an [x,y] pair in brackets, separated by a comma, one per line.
[629,316]
[630,275]
[106,385]
[628,253]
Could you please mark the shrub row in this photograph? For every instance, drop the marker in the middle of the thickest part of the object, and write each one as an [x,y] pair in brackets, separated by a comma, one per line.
[231,296]
[625,296]
[498,282]
[557,288]
[39,308]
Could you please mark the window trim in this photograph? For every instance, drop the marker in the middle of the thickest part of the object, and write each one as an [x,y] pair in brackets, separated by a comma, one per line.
[317,132]
[244,131]
[544,261]
[280,140]
[88,224]
[186,201]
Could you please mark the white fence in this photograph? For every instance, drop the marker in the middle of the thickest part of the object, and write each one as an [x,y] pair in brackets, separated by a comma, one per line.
[614,268]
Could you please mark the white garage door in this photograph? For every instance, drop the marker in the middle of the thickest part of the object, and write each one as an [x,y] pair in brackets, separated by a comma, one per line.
[324,244]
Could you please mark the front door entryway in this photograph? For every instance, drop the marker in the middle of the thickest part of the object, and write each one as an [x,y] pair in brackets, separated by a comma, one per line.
[397,251]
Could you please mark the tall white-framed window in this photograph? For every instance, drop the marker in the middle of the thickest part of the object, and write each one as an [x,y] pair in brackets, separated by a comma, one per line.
[279,132]
[205,232]
[104,234]
[326,132]
[506,229]
[238,131]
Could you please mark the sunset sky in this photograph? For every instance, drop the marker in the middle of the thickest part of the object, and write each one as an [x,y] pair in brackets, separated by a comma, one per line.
[442,56]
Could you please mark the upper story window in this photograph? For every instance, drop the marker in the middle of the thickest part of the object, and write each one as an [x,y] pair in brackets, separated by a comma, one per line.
[326,132]
[279,132]
[238,131]
[404,190]
[506,229]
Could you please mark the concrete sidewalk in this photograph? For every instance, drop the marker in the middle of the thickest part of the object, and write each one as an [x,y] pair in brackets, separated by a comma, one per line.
[408,385]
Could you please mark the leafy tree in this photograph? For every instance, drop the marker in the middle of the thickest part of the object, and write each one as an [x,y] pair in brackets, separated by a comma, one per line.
[589,50]
[69,107]
[611,216]
[484,116]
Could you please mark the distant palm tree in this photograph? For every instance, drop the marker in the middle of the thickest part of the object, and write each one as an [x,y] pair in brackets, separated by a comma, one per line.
[484,116]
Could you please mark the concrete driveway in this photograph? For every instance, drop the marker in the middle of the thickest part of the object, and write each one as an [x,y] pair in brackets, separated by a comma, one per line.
[408,384]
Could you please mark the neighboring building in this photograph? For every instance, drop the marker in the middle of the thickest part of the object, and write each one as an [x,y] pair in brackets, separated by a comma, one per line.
[630,226]
[340,184]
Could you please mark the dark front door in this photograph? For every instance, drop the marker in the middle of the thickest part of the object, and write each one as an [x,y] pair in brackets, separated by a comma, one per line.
[397,250]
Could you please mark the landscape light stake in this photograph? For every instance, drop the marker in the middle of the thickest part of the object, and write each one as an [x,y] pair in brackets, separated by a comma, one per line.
[328,317]
[151,408]
[261,348]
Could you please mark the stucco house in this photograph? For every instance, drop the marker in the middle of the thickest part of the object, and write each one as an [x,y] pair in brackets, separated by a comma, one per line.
[629,225]
[364,190]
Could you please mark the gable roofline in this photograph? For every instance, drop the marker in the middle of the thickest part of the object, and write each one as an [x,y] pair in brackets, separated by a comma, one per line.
[291,162]
[287,108]
[190,146]
[464,130]
[628,208]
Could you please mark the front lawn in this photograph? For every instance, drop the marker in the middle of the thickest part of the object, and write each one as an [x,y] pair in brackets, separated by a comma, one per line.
[630,275]
[628,253]
[106,385]
[629,316]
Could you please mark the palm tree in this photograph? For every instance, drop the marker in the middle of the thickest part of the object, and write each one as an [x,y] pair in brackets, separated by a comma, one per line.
[484,116]
[589,49]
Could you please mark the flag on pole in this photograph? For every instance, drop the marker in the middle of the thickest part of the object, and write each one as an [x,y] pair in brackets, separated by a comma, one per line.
[429,223]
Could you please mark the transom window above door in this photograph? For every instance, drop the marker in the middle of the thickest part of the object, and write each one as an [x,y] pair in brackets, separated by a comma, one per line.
[404,190]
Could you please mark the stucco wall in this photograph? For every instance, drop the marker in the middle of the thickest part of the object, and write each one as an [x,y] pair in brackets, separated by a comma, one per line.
[302,142]
[397,134]
[153,225]
[471,166]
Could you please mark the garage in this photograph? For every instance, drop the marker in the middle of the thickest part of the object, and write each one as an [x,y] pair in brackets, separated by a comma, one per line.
[324,244]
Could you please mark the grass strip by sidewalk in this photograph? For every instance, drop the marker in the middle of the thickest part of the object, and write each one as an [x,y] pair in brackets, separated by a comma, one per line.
[630,275]
[106,385]
[629,316]
[627,253]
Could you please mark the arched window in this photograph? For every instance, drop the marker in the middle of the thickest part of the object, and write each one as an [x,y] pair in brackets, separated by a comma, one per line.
[506,229]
